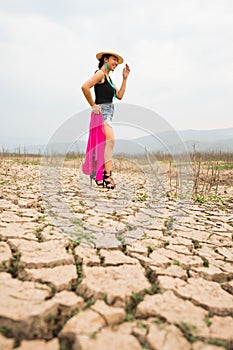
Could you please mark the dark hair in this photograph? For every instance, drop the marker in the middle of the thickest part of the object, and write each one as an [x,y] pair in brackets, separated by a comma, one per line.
[101,61]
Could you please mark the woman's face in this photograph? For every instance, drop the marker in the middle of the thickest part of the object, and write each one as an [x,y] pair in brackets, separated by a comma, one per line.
[112,62]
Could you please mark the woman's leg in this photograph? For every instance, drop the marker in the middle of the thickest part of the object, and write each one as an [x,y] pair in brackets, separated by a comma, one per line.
[108,148]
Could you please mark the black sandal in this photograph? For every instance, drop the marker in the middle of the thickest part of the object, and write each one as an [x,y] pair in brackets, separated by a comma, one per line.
[98,182]
[108,180]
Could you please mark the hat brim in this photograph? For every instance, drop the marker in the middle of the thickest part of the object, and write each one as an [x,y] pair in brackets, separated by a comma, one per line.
[100,54]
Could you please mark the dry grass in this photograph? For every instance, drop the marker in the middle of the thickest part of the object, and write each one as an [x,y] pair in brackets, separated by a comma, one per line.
[208,170]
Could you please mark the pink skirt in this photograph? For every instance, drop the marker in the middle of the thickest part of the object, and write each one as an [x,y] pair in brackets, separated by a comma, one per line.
[94,158]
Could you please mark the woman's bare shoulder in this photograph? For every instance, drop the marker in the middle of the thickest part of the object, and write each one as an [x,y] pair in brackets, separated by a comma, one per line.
[95,79]
[100,75]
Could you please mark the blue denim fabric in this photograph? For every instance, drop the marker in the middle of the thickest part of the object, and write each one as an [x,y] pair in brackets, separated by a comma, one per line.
[107,109]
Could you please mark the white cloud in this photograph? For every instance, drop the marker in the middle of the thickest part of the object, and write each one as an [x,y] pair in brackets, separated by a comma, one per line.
[39,54]
[180,53]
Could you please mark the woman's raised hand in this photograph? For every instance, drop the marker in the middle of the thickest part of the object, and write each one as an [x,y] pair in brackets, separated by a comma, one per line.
[126,71]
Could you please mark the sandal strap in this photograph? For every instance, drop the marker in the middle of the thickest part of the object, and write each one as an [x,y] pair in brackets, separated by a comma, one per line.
[108,179]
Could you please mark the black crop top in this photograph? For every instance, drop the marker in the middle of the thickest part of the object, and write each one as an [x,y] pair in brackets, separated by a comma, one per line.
[104,92]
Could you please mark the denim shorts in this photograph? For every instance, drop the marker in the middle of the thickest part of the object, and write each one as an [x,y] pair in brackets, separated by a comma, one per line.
[107,109]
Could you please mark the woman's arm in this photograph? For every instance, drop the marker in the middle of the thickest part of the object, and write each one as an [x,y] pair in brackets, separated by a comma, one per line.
[86,87]
[121,91]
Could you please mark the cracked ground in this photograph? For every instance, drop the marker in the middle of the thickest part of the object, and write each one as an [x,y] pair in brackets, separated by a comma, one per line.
[83,267]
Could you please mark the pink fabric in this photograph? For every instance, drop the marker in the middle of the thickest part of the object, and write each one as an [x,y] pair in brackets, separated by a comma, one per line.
[94,159]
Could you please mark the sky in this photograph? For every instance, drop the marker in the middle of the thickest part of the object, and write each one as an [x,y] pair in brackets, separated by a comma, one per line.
[180,54]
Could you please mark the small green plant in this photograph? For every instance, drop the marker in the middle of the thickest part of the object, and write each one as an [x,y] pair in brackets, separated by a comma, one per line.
[122,240]
[200,199]
[160,322]
[13,269]
[226,167]
[189,330]
[154,289]
[176,262]
[93,335]
[16,343]
[102,258]
[66,344]
[145,236]
[210,236]
[196,244]
[76,243]
[89,302]
[131,306]
[203,200]
[38,234]
[77,222]
[105,298]
[206,263]
[216,198]
[81,235]
[50,317]
[129,317]
[82,295]
[4,182]
[52,287]
[169,225]
[3,265]
[4,330]
[42,218]
[207,321]
[136,298]
[49,224]
[79,269]
[141,325]
[151,276]
[140,198]
[218,343]
[26,162]
[151,248]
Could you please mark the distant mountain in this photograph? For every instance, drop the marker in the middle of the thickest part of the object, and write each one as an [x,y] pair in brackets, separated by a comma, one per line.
[166,142]
[206,135]
[181,141]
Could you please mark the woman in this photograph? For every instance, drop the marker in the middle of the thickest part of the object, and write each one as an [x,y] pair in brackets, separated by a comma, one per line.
[105,90]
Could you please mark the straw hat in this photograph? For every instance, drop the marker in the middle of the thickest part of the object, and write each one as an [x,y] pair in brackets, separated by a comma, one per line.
[110,52]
